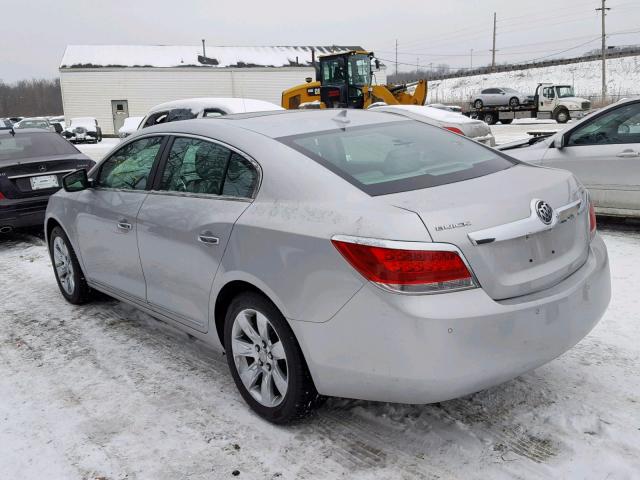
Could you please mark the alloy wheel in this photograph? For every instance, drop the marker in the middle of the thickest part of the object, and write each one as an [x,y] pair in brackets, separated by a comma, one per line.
[259,357]
[63,265]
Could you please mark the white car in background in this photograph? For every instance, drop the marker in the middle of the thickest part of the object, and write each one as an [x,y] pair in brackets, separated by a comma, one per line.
[191,108]
[474,129]
[83,130]
[129,126]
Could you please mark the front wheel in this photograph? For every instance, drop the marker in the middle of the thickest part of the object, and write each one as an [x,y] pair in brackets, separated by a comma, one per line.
[71,281]
[562,116]
[265,360]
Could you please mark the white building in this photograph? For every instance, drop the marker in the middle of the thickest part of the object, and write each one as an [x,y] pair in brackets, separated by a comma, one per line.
[112,82]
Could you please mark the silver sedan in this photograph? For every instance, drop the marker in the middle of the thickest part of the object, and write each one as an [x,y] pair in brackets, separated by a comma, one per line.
[355,254]
[602,150]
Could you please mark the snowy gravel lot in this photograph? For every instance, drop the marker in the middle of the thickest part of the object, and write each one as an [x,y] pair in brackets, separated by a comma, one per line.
[104,391]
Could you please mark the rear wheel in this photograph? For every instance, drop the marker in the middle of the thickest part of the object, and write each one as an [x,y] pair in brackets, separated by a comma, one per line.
[490,118]
[265,360]
[514,102]
[478,104]
[71,281]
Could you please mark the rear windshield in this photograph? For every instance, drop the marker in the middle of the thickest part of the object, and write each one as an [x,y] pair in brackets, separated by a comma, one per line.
[27,145]
[399,156]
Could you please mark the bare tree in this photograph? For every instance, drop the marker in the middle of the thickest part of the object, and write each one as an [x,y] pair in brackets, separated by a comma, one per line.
[28,98]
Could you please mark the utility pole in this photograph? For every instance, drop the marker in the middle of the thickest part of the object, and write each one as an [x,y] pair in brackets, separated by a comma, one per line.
[417,65]
[493,50]
[396,56]
[471,62]
[604,9]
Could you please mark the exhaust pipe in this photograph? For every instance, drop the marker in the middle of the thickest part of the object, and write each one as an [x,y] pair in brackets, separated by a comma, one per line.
[6,229]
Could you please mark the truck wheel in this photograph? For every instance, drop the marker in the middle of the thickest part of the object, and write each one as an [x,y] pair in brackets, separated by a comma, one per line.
[514,102]
[562,116]
[478,104]
[506,121]
[490,118]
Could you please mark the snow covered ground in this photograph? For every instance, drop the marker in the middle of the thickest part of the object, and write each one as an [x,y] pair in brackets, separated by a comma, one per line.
[104,391]
[585,77]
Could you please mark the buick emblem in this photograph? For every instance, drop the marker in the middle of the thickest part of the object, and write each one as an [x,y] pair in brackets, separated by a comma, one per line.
[42,168]
[544,211]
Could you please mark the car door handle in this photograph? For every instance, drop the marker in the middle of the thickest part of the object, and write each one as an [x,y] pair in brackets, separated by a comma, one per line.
[124,225]
[628,154]
[208,238]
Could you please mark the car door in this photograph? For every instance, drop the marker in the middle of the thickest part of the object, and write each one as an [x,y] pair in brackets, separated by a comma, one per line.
[185,223]
[604,153]
[105,223]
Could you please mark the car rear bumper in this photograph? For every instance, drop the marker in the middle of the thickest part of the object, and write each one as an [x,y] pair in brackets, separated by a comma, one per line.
[429,348]
[24,212]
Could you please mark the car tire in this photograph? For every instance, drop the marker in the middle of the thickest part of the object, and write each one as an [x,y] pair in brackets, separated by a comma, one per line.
[514,102]
[478,104]
[490,119]
[69,275]
[506,121]
[562,116]
[267,360]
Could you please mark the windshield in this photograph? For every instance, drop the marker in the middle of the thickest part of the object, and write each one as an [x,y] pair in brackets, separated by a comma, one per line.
[360,70]
[398,156]
[565,91]
[28,145]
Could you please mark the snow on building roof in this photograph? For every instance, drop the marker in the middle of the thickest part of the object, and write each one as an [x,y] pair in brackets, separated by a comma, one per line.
[95,56]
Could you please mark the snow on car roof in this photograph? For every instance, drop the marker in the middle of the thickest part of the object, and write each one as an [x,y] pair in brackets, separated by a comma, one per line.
[429,112]
[91,56]
[230,105]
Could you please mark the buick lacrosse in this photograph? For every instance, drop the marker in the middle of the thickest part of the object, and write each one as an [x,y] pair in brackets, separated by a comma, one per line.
[356,254]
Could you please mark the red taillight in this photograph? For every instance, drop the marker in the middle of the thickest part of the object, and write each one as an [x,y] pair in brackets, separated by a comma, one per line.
[398,267]
[2,197]
[455,130]
[592,219]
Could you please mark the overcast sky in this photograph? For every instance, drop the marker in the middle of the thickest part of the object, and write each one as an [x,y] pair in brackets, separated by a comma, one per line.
[36,32]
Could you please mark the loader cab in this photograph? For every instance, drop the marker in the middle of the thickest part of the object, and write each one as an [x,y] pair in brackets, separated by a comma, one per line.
[344,79]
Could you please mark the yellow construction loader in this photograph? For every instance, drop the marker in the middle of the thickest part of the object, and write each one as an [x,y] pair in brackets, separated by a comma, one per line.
[345,80]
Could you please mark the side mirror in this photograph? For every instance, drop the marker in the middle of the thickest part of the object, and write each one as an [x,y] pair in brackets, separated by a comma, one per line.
[76,181]
[377,63]
[57,127]
[559,142]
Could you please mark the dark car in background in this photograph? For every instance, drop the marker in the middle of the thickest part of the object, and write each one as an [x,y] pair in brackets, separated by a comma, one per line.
[32,164]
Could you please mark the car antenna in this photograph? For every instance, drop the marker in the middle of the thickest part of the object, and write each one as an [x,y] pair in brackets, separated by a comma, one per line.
[342,118]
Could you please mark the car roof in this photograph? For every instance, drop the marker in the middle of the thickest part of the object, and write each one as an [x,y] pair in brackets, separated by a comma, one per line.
[235,105]
[427,112]
[281,123]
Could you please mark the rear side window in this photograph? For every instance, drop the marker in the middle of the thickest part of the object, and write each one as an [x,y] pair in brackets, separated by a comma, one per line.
[399,156]
[198,166]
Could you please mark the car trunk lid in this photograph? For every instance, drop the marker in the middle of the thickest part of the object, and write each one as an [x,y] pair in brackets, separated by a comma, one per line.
[486,217]
[39,175]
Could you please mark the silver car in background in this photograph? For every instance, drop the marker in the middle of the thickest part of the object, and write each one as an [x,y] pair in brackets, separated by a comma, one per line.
[498,97]
[602,150]
[356,254]
[454,122]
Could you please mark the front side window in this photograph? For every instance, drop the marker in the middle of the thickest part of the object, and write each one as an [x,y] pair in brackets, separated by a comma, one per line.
[178,114]
[155,119]
[202,167]
[129,167]
[549,92]
[398,156]
[619,126]
[360,70]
